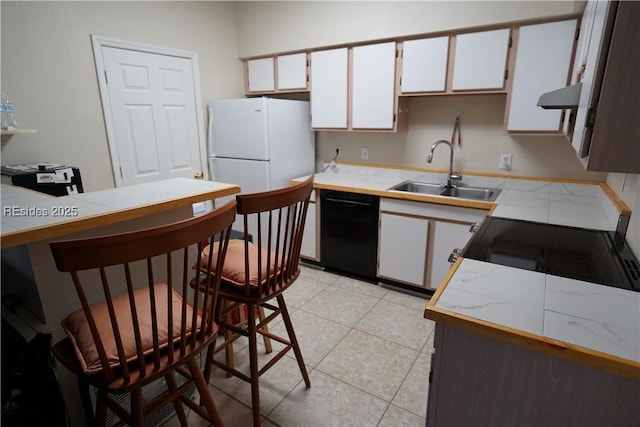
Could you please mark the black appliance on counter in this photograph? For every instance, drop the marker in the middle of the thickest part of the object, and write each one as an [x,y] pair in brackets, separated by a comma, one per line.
[349,232]
[49,178]
[595,256]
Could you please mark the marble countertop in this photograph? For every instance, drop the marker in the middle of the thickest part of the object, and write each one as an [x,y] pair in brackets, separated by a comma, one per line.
[29,216]
[584,322]
[596,317]
[553,202]
[587,323]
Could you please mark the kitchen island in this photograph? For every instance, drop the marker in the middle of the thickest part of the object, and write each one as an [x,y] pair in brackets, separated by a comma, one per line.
[517,347]
[31,220]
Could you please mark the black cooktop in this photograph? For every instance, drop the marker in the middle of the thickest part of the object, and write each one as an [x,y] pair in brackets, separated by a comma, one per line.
[590,255]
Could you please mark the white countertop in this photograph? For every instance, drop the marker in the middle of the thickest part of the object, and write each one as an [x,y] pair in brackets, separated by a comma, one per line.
[590,316]
[596,317]
[579,205]
[26,210]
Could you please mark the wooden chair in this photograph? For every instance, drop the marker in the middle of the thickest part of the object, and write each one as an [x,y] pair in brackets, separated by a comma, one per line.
[257,274]
[147,324]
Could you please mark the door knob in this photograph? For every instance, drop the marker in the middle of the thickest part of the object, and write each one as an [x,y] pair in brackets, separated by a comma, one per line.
[198,175]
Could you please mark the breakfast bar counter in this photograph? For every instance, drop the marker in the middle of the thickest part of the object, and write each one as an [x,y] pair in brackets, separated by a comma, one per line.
[29,216]
[31,220]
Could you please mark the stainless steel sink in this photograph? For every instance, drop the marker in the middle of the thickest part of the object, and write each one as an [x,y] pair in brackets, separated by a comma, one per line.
[462,192]
[419,187]
[475,193]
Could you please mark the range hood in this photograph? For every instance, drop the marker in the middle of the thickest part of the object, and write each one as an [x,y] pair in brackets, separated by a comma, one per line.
[561,99]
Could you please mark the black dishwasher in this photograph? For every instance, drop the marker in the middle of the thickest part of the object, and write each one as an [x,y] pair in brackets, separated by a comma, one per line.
[349,232]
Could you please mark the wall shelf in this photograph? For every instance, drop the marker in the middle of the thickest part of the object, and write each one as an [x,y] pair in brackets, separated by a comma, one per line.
[18,131]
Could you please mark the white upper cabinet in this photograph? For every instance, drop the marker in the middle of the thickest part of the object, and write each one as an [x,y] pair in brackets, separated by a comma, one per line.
[424,65]
[480,60]
[356,93]
[282,73]
[329,88]
[374,71]
[543,62]
[292,71]
[260,75]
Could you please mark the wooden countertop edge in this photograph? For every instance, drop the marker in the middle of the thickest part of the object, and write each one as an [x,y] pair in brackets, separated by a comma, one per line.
[465,203]
[22,237]
[548,346]
[620,205]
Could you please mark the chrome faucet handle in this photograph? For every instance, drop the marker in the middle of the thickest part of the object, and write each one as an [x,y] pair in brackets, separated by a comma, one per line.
[455,178]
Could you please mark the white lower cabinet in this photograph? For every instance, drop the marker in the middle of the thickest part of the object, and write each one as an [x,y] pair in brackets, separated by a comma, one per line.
[416,238]
[447,236]
[402,251]
[309,248]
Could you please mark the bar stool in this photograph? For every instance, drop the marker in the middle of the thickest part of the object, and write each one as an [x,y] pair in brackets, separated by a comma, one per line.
[150,324]
[257,275]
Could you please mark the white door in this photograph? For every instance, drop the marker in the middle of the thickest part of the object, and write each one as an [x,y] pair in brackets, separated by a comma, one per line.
[424,65]
[448,236]
[480,60]
[402,251]
[329,86]
[151,103]
[542,64]
[292,71]
[251,175]
[261,75]
[374,72]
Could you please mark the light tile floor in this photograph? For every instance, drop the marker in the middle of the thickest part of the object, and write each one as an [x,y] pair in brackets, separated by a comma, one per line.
[367,349]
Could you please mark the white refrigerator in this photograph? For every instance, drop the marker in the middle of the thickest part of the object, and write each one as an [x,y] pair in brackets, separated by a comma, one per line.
[259,143]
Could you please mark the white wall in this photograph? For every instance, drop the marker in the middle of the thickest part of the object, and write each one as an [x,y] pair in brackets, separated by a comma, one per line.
[48,70]
[268,27]
[483,140]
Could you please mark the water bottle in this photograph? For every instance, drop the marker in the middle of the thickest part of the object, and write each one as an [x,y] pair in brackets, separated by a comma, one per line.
[8,114]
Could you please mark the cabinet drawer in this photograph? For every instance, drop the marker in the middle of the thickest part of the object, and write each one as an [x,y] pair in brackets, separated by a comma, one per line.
[432,210]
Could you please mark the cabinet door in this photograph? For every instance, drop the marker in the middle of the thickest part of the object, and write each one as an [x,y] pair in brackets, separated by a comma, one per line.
[447,237]
[309,238]
[374,86]
[543,59]
[480,60]
[590,60]
[424,65]
[261,77]
[402,252]
[615,146]
[292,71]
[329,77]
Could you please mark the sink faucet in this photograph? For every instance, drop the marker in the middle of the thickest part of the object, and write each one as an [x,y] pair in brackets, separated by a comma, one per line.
[451,178]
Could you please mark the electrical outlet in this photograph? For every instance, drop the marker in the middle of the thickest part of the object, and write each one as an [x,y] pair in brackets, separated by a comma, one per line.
[505,161]
[365,153]
[338,149]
